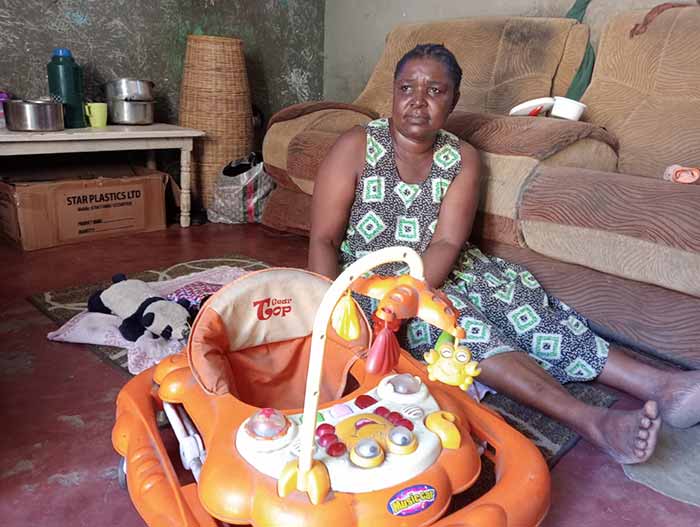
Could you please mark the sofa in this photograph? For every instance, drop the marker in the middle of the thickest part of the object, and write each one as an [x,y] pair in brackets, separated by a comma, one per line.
[582,204]
[506,60]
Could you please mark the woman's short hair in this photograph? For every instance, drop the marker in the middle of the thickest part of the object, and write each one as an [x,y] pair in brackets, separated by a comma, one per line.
[434,51]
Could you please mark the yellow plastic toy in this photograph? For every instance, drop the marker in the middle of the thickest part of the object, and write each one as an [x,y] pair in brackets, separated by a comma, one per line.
[287,414]
[451,364]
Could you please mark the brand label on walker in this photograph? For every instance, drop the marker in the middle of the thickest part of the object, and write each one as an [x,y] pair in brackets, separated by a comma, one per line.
[411,500]
[273,307]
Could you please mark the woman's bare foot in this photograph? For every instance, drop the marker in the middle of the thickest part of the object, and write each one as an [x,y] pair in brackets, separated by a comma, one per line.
[626,436]
[679,399]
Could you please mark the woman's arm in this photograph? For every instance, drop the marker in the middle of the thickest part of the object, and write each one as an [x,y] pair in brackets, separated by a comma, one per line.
[455,221]
[334,193]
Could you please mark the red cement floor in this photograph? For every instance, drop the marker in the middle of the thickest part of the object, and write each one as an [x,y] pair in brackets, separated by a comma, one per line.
[57,466]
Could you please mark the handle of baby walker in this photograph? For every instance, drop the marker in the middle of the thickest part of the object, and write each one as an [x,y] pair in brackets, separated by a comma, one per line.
[318,338]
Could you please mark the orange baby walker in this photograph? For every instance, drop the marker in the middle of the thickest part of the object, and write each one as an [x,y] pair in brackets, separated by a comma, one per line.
[382,439]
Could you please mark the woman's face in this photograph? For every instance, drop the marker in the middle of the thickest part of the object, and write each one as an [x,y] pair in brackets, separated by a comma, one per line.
[424,96]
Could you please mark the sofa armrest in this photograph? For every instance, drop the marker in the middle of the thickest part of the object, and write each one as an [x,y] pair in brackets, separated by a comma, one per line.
[511,148]
[536,137]
[629,226]
[298,110]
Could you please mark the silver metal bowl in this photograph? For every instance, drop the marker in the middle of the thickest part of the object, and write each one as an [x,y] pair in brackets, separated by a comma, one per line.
[130,89]
[130,112]
[33,116]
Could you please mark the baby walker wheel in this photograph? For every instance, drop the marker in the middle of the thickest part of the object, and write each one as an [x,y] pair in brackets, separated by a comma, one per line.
[121,473]
[162,420]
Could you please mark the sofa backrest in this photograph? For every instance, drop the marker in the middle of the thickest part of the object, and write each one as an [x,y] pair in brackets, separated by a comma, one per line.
[646,90]
[505,60]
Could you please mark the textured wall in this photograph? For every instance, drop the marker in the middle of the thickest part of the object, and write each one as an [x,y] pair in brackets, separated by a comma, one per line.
[283,43]
[355,31]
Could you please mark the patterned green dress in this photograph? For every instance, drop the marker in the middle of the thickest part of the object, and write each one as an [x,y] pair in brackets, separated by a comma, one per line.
[502,306]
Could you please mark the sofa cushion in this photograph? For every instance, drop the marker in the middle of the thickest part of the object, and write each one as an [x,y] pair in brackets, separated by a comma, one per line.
[571,59]
[511,148]
[637,228]
[505,60]
[288,210]
[586,153]
[503,178]
[646,90]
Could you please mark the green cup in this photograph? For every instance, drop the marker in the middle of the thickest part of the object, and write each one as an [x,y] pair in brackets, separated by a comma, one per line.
[97,114]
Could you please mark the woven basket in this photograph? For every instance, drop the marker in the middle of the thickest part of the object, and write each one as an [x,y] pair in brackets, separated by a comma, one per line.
[215,97]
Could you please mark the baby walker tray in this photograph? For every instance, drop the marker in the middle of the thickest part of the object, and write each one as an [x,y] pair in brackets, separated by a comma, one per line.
[290,412]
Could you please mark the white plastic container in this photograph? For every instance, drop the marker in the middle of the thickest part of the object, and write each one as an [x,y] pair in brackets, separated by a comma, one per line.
[565,108]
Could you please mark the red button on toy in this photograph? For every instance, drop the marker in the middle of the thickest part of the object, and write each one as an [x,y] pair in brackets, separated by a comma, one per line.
[364,401]
[406,423]
[336,449]
[394,417]
[327,439]
[381,411]
[324,429]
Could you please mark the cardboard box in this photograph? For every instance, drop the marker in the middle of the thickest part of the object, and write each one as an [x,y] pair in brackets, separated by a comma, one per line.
[46,214]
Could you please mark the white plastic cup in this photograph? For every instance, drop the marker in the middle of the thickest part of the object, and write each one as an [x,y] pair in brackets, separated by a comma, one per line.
[565,108]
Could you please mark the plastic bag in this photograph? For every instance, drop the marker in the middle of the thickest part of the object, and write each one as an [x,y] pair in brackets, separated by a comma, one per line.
[241,191]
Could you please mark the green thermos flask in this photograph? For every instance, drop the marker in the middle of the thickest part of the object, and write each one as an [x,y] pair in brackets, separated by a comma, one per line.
[66,86]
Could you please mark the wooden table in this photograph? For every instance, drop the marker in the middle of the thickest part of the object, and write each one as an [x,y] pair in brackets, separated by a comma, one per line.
[149,137]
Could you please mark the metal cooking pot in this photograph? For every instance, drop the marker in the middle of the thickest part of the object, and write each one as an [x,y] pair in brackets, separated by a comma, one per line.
[33,115]
[130,90]
[130,112]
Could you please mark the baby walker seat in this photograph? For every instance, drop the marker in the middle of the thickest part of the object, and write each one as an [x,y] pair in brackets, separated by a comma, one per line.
[381,441]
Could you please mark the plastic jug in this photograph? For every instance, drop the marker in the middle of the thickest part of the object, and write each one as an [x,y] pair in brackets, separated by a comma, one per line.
[66,86]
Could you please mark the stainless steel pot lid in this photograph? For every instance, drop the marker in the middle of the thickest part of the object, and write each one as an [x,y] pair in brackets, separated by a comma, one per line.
[41,100]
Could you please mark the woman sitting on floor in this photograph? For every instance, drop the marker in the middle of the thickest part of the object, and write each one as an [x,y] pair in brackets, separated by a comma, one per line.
[405,181]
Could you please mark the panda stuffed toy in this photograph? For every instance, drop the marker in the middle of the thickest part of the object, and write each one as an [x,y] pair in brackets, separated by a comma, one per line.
[142,309]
